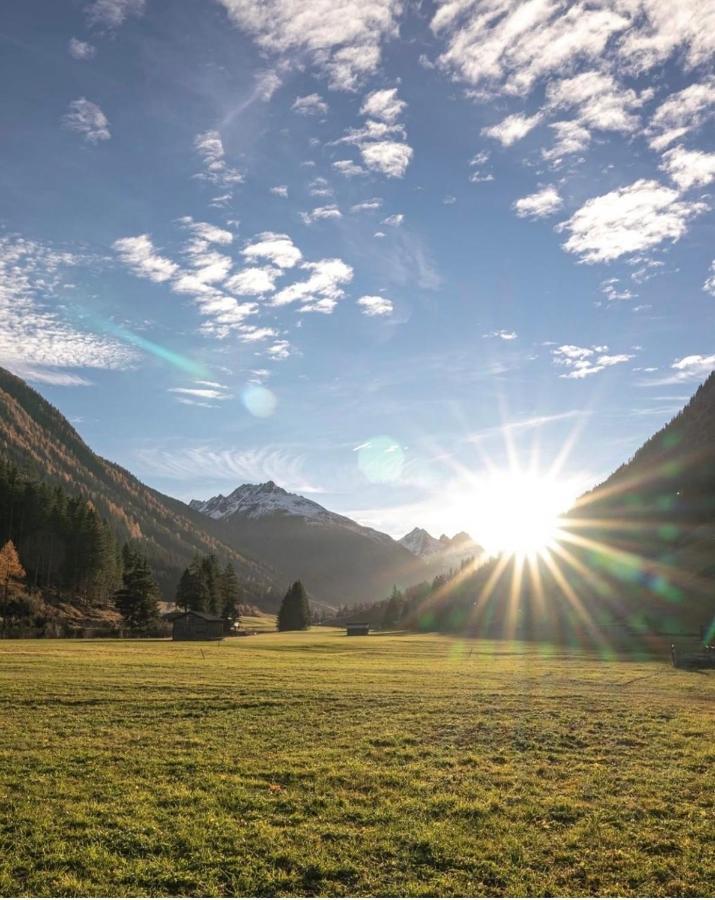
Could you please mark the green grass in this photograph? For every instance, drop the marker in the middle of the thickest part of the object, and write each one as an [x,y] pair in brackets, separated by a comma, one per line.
[312,763]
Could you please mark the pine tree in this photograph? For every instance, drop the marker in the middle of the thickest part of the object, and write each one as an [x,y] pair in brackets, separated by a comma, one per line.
[230,593]
[212,579]
[185,591]
[393,609]
[294,614]
[138,598]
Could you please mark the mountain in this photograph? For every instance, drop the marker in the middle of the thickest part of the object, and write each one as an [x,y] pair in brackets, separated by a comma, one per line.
[38,439]
[339,561]
[647,533]
[422,544]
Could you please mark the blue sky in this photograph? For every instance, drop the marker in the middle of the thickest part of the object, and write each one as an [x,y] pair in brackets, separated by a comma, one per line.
[369,250]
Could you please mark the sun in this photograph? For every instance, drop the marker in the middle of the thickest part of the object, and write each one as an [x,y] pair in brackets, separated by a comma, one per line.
[518,513]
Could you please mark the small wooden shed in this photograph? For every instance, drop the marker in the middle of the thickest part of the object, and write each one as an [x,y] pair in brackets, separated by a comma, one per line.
[198,626]
[357,629]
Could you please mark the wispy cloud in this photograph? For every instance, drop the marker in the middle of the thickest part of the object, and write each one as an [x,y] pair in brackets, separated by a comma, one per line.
[87,119]
[35,341]
[209,147]
[113,13]
[81,50]
[139,255]
[373,305]
[342,40]
[310,105]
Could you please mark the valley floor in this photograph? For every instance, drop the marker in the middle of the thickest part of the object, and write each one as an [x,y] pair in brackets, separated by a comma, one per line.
[312,763]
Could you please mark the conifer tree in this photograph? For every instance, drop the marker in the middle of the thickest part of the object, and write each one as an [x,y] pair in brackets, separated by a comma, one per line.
[294,614]
[212,581]
[393,609]
[138,598]
[230,593]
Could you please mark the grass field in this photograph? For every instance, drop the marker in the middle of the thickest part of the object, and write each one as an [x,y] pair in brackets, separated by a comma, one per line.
[314,763]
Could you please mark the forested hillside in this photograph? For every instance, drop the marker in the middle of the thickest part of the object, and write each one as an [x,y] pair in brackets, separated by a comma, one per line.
[35,437]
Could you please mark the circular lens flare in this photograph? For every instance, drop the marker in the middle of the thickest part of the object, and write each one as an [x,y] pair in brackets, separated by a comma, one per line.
[259,400]
[381,459]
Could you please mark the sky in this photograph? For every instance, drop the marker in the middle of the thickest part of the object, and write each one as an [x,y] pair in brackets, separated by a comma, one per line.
[375,251]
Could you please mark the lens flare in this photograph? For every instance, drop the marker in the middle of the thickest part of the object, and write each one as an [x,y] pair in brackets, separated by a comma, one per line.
[381,459]
[259,400]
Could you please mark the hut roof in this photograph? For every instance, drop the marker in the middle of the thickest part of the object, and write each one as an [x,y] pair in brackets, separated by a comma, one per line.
[207,617]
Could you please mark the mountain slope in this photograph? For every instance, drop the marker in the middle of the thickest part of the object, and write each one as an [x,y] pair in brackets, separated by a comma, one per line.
[38,439]
[648,532]
[339,561]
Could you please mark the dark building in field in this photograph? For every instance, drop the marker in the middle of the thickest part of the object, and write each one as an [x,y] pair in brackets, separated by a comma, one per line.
[198,626]
[357,629]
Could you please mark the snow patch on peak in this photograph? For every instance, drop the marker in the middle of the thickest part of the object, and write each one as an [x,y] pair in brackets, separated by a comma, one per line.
[254,501]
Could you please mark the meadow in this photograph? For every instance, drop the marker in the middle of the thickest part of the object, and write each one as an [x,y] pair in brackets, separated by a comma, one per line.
[312,763]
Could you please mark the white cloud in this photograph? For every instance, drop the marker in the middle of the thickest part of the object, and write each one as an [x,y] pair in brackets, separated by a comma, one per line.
[367,205]
[278,249]
[688,26]
[320,213]
[252,334]
[372,130]
[341,39]
[319,187]
[267,83]
[391,158]
[540,204]
[581,362]
[601,102]
[689,168]
[709,285]
[205,233]
[613,292]
[279,350]
[321,290]
[217,392]
[682,112]
[113,13]
[280,190]
[348,168]
[637,217]
[373,305]
[34,341]
[139,255]
[253,281]
[502,334]
[210,148]
[80,49]
[87,119]
[394,220]
[513,128]
[502,45]
[384,105]
[690,368]
[571,137]
[310,105]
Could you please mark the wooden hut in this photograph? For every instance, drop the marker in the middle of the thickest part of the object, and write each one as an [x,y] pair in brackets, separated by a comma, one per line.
[357,629]
[198,626]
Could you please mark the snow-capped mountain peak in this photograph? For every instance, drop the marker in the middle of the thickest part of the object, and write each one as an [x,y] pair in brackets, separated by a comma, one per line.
[254,501]
[420,542]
